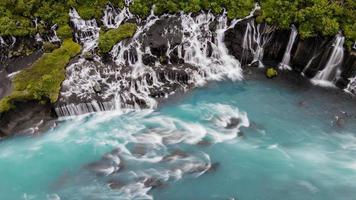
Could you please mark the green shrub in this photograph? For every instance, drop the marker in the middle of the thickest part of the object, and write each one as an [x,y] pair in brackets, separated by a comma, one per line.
[312,17]
[64,32]
[43,80]
[108,39]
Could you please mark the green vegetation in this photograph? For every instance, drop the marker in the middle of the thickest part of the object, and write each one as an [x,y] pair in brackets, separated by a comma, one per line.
[312,17]
[235,8]
[108,39]
[325,17]
[271,72]
[42,81]
[17,16]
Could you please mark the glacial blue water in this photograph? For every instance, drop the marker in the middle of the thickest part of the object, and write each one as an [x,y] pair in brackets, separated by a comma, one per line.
[264,140]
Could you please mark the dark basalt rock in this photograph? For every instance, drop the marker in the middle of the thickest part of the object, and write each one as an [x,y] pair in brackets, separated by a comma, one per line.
[213,167]
[115,184]
[312,51]
[348,69]
[154,36]
[175,153]
[274,51]
[27,118]
[101,167]
[204,143]
[153,182]
[21,46]
[5,84]
[234,39]
[308,55]
[233,123]
[149,60]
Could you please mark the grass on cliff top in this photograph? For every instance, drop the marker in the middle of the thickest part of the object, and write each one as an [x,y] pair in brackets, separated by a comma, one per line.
[43,80]
[108,39]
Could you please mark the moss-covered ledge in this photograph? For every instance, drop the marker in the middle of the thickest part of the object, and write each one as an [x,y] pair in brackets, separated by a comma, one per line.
[42,81]
[108,39]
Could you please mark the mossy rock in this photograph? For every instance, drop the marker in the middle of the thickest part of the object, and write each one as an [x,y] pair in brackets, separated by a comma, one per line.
[42,81]
[271,72]
[108,39]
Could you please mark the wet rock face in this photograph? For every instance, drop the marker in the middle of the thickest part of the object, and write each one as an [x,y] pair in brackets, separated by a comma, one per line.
[308,56]
[5,84]
[274,50]
[27,118]
[311,54]
[348,69]
[249,41]
[164,32]
[234,41]
[11,48]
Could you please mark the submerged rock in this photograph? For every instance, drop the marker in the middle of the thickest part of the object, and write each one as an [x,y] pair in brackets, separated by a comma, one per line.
[153,183]
[115,184]
[204,143]
[233,123]
[213,167]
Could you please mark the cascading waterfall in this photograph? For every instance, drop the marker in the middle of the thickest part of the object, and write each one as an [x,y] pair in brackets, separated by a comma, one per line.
[53,38]
[331,71]
[112,18]
[255,39]
[129,83]
[286,58]
[86,31]
[8,43]
[115,82]
[207,49]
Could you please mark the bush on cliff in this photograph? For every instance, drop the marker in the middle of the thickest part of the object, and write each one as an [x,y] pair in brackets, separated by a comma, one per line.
[43,80]
[108,39]
[312,17]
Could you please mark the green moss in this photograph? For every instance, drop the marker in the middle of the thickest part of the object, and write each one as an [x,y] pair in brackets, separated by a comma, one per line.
[64,32]
[271,72]
[108,39]
[43,80]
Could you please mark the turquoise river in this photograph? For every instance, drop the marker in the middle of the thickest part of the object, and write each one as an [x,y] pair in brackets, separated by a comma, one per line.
[248,140]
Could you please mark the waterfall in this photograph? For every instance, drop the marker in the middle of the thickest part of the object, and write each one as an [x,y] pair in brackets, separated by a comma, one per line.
[86,31]
[255,39]
[53,38]
[113,19]
[351,87]
[331,70]
[206,49]
[286,58]
[129,83]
